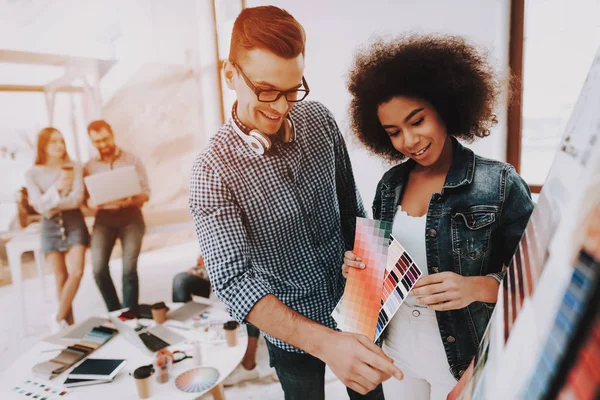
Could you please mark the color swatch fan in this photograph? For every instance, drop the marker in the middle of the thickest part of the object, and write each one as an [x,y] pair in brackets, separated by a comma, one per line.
[197,380]
[401,275]
[359,309]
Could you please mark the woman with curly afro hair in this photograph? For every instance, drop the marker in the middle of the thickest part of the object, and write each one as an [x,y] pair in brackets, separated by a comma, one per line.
[460,216]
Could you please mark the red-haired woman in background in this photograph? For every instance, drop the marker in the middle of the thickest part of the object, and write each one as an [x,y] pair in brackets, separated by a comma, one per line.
[55,189]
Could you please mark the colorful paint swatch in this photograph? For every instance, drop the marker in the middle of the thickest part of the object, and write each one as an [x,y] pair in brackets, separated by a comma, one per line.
[358,311]
[197,380]
[583,381]
[401,275]
[570,313]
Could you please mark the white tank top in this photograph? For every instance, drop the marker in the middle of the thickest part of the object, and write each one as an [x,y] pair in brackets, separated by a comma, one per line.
[410,233]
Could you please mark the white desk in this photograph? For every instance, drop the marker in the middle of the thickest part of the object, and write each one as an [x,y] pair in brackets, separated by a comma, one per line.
[23,242]
[215,354]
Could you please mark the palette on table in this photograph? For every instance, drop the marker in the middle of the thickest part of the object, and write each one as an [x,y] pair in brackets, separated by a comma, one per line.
[374,294]
[197,380]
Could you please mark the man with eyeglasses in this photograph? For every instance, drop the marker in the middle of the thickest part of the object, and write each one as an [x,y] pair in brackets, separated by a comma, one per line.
[275,205]
[122,219]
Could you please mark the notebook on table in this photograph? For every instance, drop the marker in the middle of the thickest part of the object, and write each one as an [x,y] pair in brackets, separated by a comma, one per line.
[70,383]
[98,368]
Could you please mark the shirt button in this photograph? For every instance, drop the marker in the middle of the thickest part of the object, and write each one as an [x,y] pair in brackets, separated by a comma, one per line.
[416,313]
[451,339]
[432,233]
[461,372]
[435,269]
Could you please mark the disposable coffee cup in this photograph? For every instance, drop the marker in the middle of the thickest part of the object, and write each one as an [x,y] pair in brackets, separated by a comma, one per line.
[231,332]
[159,313]
[143,380]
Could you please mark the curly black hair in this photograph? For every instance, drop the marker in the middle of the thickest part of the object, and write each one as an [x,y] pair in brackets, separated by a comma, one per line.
[446,71]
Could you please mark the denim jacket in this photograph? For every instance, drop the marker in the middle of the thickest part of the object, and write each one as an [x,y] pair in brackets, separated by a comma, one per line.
[473,228]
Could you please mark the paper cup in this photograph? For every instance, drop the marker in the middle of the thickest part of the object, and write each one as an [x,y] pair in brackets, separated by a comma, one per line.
[231,332]
[143,381]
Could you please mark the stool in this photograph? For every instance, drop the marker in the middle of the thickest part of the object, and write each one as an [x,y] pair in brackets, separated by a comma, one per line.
[19,244]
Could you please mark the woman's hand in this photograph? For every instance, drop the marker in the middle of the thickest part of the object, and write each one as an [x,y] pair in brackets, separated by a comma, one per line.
[65,181]
[451,291]
[351,260]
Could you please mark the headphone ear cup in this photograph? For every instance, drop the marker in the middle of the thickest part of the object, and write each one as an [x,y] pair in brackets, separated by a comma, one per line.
[289,131]
[260,140]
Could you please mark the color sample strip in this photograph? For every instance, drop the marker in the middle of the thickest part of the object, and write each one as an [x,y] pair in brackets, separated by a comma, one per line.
[583,381]
[578,294]
[359,310]
[401,276]
[521,276]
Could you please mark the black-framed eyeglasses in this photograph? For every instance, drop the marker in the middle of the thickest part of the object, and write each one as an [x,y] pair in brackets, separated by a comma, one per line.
[270,95]
[180,356]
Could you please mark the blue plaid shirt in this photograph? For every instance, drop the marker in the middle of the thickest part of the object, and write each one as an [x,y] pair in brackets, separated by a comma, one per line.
[277,223]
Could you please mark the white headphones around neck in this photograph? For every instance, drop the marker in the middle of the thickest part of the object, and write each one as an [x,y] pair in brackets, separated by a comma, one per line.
[258,141]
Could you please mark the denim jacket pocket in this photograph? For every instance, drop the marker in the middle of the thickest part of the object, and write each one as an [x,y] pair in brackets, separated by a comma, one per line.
[471,230]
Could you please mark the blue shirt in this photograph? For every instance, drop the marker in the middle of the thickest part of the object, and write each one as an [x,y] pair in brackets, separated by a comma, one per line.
[277,223]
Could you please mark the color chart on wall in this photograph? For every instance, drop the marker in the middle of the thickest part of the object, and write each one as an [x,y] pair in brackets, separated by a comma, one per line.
[546,300]
[583,380]
[528,260]
[401,275]
[578,294]
[358,311]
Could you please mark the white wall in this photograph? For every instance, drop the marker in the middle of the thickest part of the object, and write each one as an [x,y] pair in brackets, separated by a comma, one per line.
[335,28]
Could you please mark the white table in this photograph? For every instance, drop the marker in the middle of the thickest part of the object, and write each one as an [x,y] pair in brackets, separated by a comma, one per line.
[23,242]
[215,354]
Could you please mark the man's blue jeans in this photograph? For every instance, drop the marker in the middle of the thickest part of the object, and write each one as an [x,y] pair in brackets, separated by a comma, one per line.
[302,376]
[127,225]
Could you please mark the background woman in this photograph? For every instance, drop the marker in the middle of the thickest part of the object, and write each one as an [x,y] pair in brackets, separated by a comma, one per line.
[55,189]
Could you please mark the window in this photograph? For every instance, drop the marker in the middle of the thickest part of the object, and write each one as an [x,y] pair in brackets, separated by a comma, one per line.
[226,11]
[560,41]
[23,115]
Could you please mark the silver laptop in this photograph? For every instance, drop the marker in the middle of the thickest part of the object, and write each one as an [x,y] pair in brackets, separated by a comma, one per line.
[152,339]
[80,330]
[115,184]
[187,311]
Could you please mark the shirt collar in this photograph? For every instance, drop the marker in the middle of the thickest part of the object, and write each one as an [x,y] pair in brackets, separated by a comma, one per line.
[462,168]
